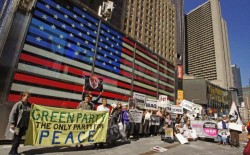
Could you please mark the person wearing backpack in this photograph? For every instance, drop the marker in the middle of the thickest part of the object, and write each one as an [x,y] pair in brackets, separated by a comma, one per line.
[19,120]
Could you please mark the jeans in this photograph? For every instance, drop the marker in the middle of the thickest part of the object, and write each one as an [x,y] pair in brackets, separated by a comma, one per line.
[224,140]
[16,141]
[219,138]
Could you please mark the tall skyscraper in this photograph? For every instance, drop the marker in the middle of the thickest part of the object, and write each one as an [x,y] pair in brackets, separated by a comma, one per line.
[153,23]
[237,79]
[180,30]
[207,46]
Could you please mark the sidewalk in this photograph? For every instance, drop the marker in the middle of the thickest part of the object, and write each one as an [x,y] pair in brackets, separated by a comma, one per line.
[142,146]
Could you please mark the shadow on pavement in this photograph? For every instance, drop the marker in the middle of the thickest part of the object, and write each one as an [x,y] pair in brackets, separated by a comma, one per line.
[55,149]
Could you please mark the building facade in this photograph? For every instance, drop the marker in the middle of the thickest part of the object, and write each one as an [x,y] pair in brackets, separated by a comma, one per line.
[207,46]
[237,81]
[246,99]
[153,23]
[213,99]
[118,14]
[180,30]
[244,114]
[60,44]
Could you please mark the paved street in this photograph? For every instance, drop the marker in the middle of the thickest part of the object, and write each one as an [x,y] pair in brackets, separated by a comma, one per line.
[142,146]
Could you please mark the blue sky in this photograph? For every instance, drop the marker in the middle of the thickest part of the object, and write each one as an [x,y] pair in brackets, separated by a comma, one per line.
[237,16]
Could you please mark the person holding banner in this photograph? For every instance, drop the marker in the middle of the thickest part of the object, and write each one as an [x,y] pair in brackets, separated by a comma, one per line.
[19,120]
[102,107]
[85,105]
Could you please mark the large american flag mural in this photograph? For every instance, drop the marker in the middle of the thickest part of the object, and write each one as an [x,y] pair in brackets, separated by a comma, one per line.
[65,44]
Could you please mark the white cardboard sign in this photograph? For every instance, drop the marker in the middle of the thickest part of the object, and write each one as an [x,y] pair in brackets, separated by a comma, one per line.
[235,126]
[177,109]
[151,104]
[135,115]
[182,139]
[140,99]
[187,105]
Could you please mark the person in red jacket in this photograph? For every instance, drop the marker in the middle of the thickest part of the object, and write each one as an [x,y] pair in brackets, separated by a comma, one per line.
[247,147]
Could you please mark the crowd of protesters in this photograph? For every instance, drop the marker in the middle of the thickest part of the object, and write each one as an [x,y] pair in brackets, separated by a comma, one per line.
[120,116]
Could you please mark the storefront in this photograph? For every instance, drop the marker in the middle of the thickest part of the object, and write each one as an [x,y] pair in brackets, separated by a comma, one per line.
[212,98]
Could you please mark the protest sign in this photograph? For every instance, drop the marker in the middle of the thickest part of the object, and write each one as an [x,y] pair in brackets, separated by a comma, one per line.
[193,134]
[155,120]
[181,139]
[235,114]
[207,129]
[234,126]
[135,115]
[197,108]
[151,104]
[169,109]
[169,133]
[163,101]
[223,132]
[159,149]
[139,99]
[163,98]
[93,83]
[58,126]
[187,105]
[177,109]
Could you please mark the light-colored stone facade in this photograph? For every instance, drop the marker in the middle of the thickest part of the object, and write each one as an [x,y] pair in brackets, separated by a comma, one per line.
[152,22]
[208,54]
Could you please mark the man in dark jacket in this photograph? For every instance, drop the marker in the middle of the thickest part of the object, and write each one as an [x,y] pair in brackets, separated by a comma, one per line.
[19,120]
